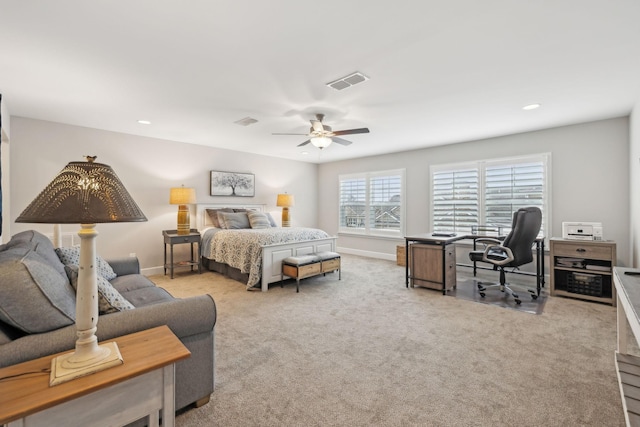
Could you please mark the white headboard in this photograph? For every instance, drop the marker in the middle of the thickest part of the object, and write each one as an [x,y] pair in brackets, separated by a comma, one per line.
[202,219]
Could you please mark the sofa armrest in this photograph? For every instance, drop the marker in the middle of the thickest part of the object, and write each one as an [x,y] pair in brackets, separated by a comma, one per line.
[185,317]
[125,265]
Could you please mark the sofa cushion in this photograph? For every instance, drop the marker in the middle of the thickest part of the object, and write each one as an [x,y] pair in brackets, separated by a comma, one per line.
[131,282]
[39,243]
[147,296]
[33,296]
[71,256]
[109,299]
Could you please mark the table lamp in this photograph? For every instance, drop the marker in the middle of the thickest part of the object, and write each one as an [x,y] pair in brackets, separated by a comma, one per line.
[84,193]
[285,201]
[183,196]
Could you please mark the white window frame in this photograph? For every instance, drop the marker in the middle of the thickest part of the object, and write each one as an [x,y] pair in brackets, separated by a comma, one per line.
[481,166]
[367,229]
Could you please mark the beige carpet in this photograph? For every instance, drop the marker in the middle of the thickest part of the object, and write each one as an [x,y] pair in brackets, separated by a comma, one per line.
[366,351]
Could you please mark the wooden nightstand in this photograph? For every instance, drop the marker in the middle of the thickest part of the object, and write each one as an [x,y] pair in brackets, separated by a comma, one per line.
[171,237]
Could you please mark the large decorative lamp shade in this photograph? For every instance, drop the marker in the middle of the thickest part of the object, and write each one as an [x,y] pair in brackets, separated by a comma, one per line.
[285,201]
[182,197]
[84,193]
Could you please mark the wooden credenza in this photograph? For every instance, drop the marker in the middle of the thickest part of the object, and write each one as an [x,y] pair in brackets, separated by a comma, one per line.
[583,269]
[142,386]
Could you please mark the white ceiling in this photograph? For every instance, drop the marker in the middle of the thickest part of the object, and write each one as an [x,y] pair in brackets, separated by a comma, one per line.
[440,72]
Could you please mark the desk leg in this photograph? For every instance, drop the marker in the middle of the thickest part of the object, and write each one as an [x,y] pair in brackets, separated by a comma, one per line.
[406,263]
[168,397]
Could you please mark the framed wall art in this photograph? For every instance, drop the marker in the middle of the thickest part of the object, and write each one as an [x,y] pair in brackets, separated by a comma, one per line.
[233,184]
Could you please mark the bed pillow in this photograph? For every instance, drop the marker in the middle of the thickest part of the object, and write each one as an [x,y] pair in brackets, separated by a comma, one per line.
[213,216]
[71,256]
[109,299]
[233,220]
[258,220]
[271,220]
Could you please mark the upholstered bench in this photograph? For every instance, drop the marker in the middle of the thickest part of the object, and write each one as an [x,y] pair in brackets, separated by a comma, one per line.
[303,266]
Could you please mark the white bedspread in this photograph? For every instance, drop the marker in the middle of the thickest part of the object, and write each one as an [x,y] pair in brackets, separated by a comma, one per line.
[242,248]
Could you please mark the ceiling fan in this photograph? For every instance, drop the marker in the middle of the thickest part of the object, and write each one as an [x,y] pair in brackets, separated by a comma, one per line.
[321,135]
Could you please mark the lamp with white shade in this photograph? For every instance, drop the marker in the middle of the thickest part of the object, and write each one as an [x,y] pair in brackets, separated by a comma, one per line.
[84,193]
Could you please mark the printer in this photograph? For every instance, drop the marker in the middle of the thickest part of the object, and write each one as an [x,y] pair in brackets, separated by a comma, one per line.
[582,230]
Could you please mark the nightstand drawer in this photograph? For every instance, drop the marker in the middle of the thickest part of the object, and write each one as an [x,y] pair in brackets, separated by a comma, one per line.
[581,250]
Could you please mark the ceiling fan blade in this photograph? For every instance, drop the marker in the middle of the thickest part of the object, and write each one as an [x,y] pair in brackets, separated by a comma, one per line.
[341,141]
[350,131]
[276,133]
[304,143]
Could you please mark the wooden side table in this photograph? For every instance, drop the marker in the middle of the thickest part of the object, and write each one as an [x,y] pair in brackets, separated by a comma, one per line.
[171,237]
[142,386]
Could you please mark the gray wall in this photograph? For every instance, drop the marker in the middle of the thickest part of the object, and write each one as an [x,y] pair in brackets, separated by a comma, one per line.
[590,176]
[148,168]
[590,180]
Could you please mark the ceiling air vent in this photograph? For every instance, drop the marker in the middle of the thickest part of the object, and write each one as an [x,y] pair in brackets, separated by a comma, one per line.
[348,81]
[246,121]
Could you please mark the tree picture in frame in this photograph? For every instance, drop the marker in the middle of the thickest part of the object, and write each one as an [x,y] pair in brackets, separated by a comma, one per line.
[232,184]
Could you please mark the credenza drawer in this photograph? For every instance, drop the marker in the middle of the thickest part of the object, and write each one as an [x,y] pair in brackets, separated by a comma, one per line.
[581,250]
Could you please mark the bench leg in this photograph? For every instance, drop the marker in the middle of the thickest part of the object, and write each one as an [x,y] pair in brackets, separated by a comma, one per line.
[297,285]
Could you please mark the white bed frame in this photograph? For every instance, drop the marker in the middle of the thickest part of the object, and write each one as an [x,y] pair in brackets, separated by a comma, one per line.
[272,255]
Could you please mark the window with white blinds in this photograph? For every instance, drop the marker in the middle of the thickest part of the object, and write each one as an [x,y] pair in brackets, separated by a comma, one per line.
[486,193]
[372,203]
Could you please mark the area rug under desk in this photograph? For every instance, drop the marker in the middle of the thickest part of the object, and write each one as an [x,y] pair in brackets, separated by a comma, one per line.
[468,290]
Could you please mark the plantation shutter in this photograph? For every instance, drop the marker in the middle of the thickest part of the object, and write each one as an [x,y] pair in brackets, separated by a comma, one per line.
[455,200]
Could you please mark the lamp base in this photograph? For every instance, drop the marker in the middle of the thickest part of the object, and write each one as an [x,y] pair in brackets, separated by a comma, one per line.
[286,219]
[64,368]
[184,226]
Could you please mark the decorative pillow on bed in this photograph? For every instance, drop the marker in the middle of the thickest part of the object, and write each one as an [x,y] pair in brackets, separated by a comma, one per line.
[271,220]
[213,215]
[258,220]
[233,220]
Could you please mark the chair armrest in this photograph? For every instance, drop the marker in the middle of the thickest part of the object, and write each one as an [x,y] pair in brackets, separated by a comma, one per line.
[506,251]
[486,240]
[125,265]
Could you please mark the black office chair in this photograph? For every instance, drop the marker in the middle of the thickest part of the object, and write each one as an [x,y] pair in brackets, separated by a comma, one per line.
[513,251]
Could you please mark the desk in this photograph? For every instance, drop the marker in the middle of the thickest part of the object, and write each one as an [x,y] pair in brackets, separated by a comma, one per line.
[142,386]
[628,366]
[443,241]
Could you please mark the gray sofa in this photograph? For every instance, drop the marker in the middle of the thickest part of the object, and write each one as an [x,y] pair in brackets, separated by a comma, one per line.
[37,312]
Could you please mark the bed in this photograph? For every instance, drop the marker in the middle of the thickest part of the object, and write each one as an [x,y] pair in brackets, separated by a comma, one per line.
[254,256]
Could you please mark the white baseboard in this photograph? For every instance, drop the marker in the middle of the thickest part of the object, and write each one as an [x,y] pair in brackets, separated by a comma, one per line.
[369,254]
[151,271]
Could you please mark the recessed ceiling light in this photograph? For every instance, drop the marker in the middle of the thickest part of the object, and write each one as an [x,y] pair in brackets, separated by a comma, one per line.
[144,122]
[304,153]
[531,107]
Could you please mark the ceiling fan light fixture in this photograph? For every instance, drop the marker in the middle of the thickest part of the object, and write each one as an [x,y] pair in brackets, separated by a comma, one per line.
[321,141]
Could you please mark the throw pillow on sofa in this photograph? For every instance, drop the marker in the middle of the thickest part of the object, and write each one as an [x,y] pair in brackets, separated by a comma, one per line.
[109,299]
[71,256]
[33,296]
